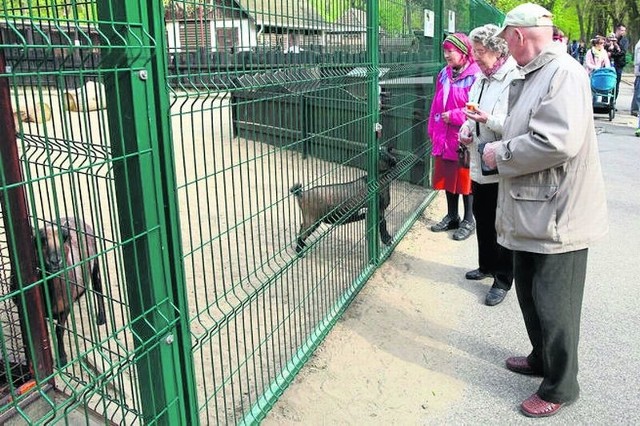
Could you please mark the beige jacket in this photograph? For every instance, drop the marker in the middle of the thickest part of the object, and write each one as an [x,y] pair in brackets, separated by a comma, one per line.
[551,195]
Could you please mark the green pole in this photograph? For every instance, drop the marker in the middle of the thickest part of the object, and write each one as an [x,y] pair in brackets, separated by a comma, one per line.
[134,71]
[373,99]
[438,38]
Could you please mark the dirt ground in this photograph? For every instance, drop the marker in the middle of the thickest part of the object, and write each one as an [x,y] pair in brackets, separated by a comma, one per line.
[232,192]
[396,319]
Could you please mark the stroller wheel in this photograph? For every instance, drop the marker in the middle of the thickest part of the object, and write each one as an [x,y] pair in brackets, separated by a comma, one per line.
[612,113]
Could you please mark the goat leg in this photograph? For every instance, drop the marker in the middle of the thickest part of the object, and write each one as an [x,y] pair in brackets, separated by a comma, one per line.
[96,280]
[303,234]
[384,233]
[62,353]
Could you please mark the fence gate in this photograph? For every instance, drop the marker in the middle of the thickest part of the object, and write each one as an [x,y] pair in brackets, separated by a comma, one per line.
[192,192]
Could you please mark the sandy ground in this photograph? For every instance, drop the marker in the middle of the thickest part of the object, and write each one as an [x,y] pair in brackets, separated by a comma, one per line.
[239,225]
[387,358]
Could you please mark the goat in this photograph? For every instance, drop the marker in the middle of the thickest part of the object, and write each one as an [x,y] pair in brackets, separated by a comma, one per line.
[343,203]
[65,250]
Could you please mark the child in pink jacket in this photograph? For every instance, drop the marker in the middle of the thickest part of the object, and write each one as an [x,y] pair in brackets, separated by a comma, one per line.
[445,118]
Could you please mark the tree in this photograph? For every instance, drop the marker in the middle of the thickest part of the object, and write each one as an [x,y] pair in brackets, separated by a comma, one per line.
[55,9]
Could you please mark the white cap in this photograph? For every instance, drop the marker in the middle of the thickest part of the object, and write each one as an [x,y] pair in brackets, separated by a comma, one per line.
[527,15]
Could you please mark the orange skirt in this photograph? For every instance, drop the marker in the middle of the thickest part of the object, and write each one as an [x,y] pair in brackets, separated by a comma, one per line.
[449,176]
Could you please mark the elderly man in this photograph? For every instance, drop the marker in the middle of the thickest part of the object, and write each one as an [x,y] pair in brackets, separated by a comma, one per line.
[551,201]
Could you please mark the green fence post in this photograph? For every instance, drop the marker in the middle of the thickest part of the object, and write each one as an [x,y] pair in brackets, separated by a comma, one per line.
[134,71]
[373,118]
[438,6]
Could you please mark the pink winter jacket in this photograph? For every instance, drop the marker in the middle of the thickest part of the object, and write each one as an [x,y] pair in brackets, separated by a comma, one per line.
[451,95]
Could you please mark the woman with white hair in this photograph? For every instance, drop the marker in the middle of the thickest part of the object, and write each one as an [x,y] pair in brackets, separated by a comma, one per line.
[489,99]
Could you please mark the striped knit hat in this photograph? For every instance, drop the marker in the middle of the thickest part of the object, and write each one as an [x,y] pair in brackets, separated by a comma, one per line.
[460,42]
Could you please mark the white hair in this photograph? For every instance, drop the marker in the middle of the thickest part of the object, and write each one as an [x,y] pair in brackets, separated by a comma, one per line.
[486,36]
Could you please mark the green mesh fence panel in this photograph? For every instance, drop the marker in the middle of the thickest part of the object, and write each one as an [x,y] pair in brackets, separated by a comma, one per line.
[231,172]
[83,218]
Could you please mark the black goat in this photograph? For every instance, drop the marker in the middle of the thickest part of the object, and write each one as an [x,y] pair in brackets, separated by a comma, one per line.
[344,202]
[65,252]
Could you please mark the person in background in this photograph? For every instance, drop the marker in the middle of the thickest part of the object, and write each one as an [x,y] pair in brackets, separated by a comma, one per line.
[574,50]
[484,124]
[619,53]
[611,45]
[445,118]
[597,56]
[635,101]
[551,202]
[582,51]
[558,37]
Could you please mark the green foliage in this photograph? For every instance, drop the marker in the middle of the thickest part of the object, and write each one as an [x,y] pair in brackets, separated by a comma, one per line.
[567,21]
[392,13]
[331,10]
[392,17]
[595,16]
[53,9]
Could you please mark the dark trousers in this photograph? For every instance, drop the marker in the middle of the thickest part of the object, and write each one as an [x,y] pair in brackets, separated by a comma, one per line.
[618,78]
[492,257]
[635,101]
[550,289]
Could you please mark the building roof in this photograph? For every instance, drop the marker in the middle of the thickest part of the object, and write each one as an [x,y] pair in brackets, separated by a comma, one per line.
[352,20]
[296,15]
[354,17]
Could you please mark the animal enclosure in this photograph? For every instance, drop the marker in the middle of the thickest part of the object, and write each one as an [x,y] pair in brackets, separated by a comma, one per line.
[151,147]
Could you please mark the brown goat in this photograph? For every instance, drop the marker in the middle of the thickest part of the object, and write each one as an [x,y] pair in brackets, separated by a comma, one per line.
[343,203]
[66,250]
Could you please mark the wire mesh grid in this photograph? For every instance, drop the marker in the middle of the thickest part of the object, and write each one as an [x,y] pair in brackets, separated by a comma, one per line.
[262,96]
[67,164]
[251,119]
[55,75]
[14,366]
[252,303]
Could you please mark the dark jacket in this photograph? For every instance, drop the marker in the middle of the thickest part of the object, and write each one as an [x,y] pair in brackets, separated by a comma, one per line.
[619,56]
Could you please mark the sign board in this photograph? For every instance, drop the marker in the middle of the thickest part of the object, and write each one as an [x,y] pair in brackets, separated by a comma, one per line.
[429,23]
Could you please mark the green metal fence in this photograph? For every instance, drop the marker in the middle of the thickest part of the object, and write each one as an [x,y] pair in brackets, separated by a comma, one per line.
[152,161]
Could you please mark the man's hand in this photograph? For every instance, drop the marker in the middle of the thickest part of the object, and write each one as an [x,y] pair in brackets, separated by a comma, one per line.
[489,155]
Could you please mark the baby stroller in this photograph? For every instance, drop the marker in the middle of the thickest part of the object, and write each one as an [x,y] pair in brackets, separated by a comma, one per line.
[603,91]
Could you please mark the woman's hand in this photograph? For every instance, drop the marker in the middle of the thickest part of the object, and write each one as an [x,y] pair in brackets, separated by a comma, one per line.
[446,117]
[465,135]
[476,115]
